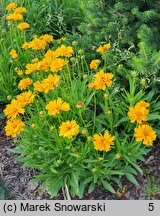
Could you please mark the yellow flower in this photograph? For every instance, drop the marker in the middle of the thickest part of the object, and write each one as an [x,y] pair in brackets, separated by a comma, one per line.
[103,143]
[58,64]
[14,127]
[35,60]
[20,10]
[14,16]
[19,72]
[44,64]
[64,51]
[26,98]
[37,44]
[11,6]
[23,26]
[38,86]
[104,48]
[69,129]
[14,109]
[47,84]
[145,134]
[32,68]
[26,46]
[101,80]
[13,54]
[47,38]
[139,112]
[94,64]
[54,107]
[24,83]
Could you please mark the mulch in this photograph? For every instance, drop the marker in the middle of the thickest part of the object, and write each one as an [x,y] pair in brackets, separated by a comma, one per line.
[14,177]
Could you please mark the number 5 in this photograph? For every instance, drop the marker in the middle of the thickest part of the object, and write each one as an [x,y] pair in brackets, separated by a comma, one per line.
[151,206]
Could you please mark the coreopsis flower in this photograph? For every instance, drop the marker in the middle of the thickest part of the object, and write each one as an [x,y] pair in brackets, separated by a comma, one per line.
[47,84]
[104,48]
[37,44]
[32,68]
[13,54]
[13,109]
[64,51]
[35,60]
[145,134]
[19,72]
[101,80]
[103,143]
[58,64]
[139,112]
[11,6]
[14,127]
[94,64]
[69,129]
[56,106]
[47,38]
[26,98]
[38,86]
[24,83]
[26,45]
[14,16]
[44,64]
[23,26]
[50,54]
[20,10]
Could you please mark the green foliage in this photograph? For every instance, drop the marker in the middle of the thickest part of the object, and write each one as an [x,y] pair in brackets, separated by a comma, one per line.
[117,22]
[73,164]
[152,188]
[55,17]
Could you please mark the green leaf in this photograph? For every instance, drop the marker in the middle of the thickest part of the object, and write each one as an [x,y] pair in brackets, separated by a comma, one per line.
[108,187]
[2,116]
[91,187]
[89,99]
[16,150]
[117,181]
[122,120]
[40,177]
[87,180]
[129,169]
[131,178]
[137,167]
[115,172]
[101,120]
[153,116]
[157,131]
[53,170]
